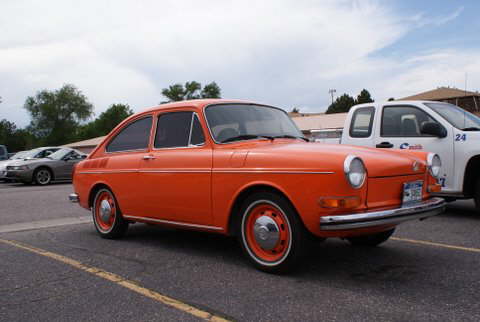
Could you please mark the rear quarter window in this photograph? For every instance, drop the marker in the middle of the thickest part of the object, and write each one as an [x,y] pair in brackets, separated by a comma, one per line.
[362,121]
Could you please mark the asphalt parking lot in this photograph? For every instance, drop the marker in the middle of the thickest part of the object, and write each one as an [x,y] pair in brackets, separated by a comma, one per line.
[54,267]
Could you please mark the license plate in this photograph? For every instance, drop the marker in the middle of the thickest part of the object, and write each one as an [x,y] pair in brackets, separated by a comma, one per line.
[412,191]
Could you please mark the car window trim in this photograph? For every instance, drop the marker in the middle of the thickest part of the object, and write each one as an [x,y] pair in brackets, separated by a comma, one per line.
[120,130]
[370,123]
[189,146]
[406,136]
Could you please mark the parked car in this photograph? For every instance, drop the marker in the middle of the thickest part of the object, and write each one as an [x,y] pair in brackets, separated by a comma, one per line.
[25,155]
[244,169]
[446,129]
[54,167]
[3,152]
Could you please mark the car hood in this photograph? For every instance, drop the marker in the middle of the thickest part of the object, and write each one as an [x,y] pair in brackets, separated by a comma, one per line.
[330,157]
[30,161]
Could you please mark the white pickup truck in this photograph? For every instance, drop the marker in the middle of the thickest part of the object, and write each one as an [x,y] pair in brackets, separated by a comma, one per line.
[443,128]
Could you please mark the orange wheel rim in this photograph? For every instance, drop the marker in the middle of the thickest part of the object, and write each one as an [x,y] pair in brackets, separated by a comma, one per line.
[267,250]
[105,211]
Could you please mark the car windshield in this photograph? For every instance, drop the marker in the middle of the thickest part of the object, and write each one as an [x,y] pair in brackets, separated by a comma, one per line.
[457,116]
[19,155]
[235,122]
[27,154]
[60,154]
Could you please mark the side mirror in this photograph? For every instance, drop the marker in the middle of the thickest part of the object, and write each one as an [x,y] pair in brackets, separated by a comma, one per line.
[433,128]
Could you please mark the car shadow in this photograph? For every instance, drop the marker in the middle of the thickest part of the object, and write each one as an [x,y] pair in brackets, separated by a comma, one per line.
[462,208]
[334,259]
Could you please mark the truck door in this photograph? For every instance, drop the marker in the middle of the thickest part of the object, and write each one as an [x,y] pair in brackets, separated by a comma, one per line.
[400,129]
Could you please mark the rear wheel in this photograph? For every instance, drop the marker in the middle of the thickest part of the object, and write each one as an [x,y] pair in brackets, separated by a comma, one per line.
[107,217]
[271,234]
[43,176]
[476,196]
[371,240]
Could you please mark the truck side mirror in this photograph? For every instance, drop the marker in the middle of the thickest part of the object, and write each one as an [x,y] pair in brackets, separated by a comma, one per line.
[433,128]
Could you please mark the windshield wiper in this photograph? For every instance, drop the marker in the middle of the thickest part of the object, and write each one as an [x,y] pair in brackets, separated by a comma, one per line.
[290,137]
[471,129]
[246,137]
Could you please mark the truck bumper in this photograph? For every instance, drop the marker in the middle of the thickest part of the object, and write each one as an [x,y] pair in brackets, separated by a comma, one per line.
[420,210]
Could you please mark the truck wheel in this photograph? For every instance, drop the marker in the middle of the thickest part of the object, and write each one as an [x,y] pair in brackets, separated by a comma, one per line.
[271,234]
[371,240]
[476,196]
[107,216]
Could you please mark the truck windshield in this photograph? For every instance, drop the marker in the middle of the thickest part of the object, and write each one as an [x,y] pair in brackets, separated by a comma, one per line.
[236,122]
[456,116]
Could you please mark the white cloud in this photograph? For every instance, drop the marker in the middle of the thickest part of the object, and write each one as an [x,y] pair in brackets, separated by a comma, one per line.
[286,53]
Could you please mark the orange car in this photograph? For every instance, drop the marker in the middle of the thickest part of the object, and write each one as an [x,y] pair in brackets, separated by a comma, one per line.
[244,169]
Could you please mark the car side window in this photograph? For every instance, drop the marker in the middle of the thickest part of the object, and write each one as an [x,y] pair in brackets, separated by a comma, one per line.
[196,137]
[134,136]
[178,129]
[403,121]
[362,122]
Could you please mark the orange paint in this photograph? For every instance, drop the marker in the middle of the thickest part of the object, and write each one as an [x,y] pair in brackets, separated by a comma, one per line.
[196,187]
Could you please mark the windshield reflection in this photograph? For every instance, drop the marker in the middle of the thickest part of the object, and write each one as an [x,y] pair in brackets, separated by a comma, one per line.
[458,117]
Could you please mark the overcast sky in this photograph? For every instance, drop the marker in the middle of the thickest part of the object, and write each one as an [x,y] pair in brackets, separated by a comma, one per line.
[284,53]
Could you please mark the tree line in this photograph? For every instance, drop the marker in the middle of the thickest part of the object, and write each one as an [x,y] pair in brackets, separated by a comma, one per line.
[65,115]
[343,103]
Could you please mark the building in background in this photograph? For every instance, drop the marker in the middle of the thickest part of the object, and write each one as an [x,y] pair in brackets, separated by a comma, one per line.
[469,101]
[85,146]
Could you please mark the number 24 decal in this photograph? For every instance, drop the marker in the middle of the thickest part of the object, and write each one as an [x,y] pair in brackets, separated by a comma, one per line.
[460,137]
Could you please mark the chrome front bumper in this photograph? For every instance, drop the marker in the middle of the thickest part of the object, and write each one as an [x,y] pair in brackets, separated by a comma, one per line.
[421,210]
[73,197]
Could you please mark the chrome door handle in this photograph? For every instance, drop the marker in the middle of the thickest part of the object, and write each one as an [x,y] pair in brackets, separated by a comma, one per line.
[148,157]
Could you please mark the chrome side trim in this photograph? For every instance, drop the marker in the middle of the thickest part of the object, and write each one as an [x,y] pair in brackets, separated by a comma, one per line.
[207,171]
[273,171]
[73,197]
[174,171]
[421,210]
[108,172]
[176,223]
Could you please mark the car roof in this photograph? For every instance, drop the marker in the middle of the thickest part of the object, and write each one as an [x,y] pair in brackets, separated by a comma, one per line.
[198,104]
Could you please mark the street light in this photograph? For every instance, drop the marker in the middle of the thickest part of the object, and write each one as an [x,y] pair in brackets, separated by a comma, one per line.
[331,92]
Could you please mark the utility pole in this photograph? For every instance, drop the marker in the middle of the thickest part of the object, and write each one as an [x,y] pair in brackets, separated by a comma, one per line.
[331,92]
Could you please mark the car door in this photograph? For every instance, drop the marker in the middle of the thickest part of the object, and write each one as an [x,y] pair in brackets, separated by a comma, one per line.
[121,159]
[176,173]
[63,168]
[400,129]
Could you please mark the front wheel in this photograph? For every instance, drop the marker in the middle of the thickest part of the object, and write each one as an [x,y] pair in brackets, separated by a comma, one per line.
[43,176]
[107,217]
[372,239]
[271,234]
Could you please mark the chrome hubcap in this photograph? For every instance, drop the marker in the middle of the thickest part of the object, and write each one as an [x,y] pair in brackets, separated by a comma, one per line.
[105,211]
[266,232]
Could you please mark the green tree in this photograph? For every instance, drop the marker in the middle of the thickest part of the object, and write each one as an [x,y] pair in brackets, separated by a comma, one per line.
[57,114]
[107,120]
[295,110]
[341,105]
[15,139]
[364,97]
[191,90]
[391,99]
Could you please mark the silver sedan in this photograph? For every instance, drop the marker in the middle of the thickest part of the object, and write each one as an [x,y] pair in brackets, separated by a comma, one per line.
[57,166]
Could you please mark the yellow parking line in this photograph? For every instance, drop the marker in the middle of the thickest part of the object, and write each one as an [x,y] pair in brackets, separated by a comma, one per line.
[120,281]
[423,242]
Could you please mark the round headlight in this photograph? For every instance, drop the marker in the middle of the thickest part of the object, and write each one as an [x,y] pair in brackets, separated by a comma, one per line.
[354,171]
[434,164]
